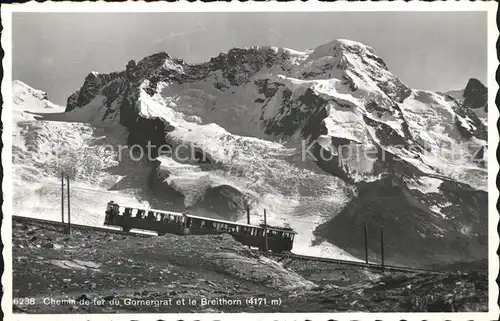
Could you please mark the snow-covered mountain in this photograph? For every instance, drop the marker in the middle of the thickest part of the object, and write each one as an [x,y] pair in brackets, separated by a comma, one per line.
[328,137]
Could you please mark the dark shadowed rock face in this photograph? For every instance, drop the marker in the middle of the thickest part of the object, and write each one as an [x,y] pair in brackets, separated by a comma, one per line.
[476,95]
[469,123]
[297,114]
[220,202]
[146,66]
[413,233]
[142,131]
[471,103]
[238,65]
[162,194]
[385,133]
[72,101]
[93,85]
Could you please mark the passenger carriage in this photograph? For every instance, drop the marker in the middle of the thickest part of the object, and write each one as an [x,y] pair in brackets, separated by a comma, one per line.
[278,239]
[158,221]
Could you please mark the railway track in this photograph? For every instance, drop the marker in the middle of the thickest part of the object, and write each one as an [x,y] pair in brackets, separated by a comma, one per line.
[372,266]
[31,220]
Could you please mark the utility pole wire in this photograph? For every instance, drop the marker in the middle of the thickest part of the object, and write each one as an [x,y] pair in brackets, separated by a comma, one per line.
[265,228]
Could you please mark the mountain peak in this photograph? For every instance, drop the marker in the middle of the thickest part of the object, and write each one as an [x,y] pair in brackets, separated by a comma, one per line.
[341,47]
[355,63]
[476,95]
[19,86]
[346,44]
[474,85]
[29,98]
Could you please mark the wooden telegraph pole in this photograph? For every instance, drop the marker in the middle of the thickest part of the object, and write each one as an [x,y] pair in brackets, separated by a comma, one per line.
[247,208]
[366,243]
[62,197]
[69,208]
[382,245]
[265,228]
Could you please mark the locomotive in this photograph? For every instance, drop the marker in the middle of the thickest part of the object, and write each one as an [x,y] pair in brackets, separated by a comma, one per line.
[263,237]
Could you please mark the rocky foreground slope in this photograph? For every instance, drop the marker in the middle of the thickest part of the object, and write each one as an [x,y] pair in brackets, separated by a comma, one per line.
[324,140]
[95,272]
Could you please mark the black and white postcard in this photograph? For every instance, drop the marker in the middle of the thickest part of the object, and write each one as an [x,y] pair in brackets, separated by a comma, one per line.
[271,161]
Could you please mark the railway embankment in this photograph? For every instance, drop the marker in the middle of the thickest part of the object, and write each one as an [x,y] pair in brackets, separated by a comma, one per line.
[101,272]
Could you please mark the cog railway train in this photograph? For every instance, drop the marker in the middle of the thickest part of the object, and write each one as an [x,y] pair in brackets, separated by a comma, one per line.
[162,222]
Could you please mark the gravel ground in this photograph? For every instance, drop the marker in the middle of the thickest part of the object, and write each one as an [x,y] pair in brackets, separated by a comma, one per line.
[97,272]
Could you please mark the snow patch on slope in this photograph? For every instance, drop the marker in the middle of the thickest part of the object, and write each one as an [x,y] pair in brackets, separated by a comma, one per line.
[431,121]
[40,142]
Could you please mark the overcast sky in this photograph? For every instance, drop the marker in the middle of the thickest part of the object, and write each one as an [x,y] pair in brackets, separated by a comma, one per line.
[426,50]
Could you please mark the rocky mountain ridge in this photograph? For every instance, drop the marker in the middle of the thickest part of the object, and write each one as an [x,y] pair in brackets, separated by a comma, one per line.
[297,95]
